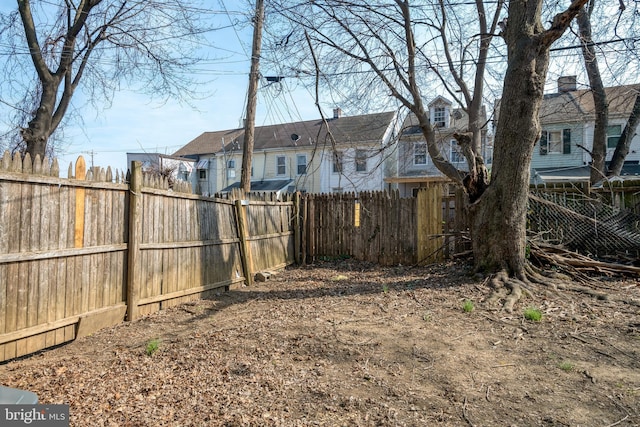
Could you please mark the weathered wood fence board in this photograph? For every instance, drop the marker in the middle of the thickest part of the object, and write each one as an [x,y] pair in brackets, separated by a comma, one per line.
[69,266]
[76,253]
[382,227]
[55,265]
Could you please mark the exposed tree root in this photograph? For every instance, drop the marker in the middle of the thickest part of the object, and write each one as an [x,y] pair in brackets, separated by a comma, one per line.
[508,290]
[555,278]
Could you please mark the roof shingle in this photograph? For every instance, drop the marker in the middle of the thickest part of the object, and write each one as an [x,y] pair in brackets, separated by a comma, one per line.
[345,130]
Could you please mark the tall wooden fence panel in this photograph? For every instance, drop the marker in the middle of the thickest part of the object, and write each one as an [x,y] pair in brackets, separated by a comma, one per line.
[375,227]
[270,234]
[62,255]
[76,254]
[189,246]
[383,228]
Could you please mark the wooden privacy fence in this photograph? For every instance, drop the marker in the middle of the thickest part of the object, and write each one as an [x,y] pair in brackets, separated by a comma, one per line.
[77,254]
[383,228]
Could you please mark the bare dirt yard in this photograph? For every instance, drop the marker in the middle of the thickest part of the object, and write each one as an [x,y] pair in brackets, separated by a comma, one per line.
[351,344]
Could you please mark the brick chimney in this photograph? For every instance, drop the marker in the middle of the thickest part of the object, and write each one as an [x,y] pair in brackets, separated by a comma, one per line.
[566,84]
[337,113]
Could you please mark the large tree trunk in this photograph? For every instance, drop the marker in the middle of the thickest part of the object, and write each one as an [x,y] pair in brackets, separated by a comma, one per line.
[40,128]
[498,218]
[498,225]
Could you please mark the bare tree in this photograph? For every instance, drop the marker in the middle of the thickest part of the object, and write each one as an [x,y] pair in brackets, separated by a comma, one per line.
[601,105]
[99,44]
[403,44]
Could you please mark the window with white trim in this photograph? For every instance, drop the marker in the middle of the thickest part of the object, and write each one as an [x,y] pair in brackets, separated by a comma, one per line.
[302,163]
[337,161]
[555,142]
[420,153]
[440,117]
[613,135]
[361,160]
[281,165]
[456,155]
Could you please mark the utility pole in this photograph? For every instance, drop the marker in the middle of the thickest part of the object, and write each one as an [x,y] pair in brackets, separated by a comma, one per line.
[252,97]
[91,153]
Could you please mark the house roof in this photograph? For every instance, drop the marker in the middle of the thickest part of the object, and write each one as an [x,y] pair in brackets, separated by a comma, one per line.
[209,142]
[267,185]
[345,130]
[577,105]
[630,169]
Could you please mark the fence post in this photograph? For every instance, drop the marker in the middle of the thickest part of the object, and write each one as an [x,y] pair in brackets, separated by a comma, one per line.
[78,231]
[135,233]
[243,234]
[297,231]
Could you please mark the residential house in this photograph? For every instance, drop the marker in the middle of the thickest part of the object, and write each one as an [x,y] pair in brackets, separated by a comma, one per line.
[178,168]
[567,118]
[413,167]
[340,154]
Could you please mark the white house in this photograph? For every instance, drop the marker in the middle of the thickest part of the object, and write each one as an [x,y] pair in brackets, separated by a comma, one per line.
[339,154]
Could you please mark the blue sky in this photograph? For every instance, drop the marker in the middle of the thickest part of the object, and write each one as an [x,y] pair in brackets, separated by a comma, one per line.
[134,123]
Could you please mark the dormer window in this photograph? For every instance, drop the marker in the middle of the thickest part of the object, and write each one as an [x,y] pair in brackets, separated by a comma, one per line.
[440,113]
[440,117]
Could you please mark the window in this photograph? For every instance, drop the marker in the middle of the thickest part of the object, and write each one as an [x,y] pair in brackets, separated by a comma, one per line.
[455,156]
[281,165]
[202,173]
[302,164]
[420,153]
[439,117]
[231,164]
[337,161]
[361,161]
[613,135]
[555,142]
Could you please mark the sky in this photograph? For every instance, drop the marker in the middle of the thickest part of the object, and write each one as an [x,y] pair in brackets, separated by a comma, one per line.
[133,123]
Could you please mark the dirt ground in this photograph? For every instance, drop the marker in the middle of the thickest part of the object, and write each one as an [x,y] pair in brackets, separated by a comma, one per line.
[351,344]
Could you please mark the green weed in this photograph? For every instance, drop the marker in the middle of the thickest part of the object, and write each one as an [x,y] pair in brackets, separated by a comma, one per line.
[152,346]
[566,366]
[467,306]
[533,314]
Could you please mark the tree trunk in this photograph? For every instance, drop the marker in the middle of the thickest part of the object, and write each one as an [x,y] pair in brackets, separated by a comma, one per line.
[499,217]
[40,128]
[599,147]
[622,148]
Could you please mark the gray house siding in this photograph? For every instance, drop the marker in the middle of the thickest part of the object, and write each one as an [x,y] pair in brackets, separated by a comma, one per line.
[563,153]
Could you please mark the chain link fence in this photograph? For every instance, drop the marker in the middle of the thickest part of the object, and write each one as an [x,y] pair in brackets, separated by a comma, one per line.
[584,224]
